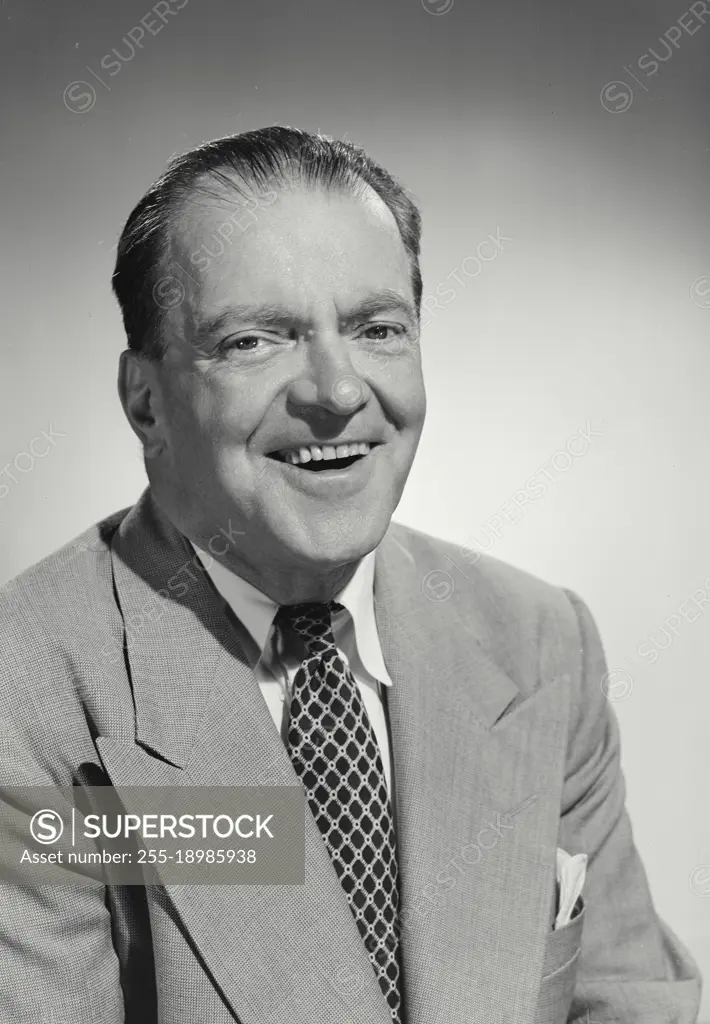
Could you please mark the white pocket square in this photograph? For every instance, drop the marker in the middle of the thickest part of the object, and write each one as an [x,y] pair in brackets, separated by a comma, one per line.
[571,872]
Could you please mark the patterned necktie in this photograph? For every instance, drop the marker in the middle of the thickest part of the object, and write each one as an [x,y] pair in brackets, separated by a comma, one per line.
[335,753]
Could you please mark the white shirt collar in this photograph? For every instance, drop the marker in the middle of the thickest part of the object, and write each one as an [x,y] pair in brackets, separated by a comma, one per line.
[257,611]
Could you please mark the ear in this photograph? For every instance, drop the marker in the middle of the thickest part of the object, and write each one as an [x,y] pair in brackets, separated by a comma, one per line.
[139,391]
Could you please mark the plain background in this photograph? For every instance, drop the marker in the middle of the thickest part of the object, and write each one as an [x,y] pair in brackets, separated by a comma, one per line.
[596,311]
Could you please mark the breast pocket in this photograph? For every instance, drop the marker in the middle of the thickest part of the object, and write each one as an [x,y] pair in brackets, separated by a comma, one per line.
[559,970]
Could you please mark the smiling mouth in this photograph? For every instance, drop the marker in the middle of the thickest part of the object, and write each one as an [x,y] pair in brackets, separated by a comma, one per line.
[316,458]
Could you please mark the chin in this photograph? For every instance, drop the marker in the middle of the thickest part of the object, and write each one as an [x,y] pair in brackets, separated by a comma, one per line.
[339,543]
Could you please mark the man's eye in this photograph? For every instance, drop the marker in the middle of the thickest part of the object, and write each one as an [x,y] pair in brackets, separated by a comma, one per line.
[378,332]
[247,343]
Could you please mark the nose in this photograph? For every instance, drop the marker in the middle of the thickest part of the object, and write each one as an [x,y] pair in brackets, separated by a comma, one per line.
[330,380]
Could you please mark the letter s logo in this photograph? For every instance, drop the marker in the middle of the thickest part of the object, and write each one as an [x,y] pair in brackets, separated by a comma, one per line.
[46,827]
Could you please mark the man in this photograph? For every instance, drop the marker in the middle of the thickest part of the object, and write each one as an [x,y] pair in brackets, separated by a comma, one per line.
[255,619]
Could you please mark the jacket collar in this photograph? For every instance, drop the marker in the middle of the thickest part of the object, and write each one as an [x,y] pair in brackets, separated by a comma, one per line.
[177,629]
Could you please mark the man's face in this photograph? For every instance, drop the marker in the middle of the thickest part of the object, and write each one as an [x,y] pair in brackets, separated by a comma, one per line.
[298,336]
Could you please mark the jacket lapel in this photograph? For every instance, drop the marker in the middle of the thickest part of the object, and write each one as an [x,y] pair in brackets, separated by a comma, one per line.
[201,720]
[477,796]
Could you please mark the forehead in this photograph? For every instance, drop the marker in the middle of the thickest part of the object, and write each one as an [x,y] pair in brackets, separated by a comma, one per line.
[288,244]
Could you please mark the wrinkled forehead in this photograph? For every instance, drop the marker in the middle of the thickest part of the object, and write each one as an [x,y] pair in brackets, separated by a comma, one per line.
[286,242]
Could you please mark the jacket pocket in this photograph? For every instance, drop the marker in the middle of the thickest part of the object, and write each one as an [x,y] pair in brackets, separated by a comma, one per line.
[559,970]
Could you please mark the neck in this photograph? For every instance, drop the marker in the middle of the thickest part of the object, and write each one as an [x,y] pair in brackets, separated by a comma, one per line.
[292,587]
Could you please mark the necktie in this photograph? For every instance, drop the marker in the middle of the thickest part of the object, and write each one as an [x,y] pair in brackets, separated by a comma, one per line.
[335,753]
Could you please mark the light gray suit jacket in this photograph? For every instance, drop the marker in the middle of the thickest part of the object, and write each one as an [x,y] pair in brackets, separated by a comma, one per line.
[117,666]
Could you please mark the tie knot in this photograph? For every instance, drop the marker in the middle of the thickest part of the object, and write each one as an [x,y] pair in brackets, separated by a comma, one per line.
[311,622]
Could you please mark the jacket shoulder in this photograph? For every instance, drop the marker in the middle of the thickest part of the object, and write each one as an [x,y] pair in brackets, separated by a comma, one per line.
[526,624]
[75,576]
[475,574]
[57,620]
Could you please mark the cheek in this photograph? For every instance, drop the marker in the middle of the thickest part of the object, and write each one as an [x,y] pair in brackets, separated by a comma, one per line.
[212,414]
[401,389]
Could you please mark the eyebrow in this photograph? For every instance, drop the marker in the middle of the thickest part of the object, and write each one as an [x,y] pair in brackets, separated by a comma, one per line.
[386,301]
[264,315]
[270,315]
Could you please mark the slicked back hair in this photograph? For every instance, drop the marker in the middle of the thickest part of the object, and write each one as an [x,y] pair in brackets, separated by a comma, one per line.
[258,158]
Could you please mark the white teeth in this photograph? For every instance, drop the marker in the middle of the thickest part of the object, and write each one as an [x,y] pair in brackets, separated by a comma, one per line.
[296,456]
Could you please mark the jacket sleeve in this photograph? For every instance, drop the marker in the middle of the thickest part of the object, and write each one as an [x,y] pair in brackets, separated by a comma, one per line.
[632,968]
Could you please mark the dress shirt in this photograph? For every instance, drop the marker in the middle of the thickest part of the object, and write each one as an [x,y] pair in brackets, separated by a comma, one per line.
[275,660]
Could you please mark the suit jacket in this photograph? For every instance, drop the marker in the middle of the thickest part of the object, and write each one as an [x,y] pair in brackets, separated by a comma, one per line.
[119,664]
